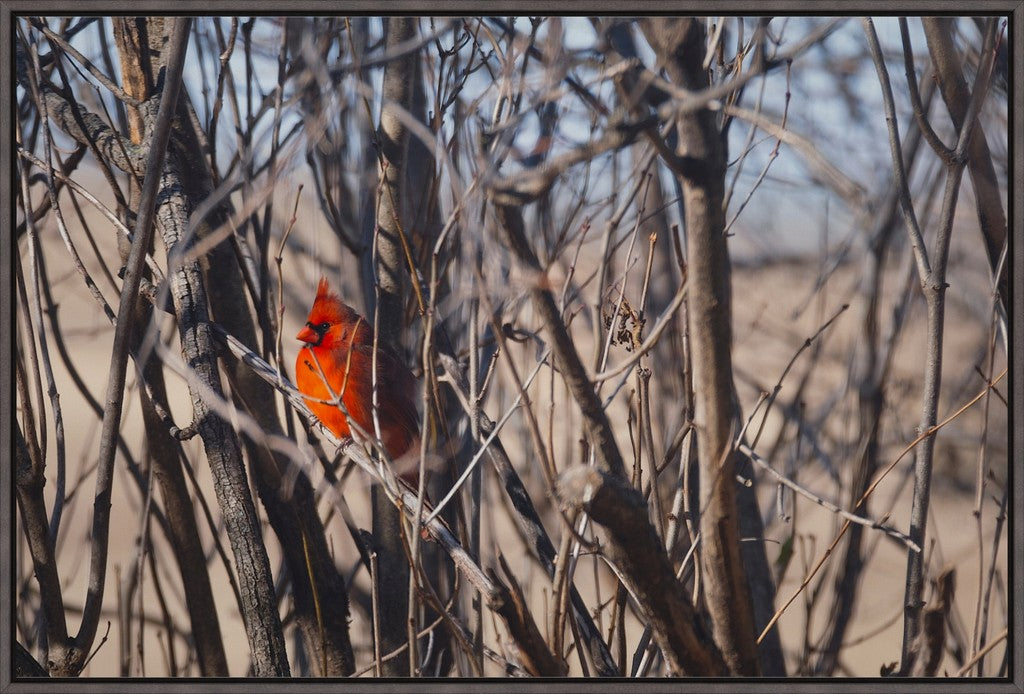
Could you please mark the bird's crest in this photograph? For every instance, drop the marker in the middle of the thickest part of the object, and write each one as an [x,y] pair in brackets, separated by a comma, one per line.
[329,308]
[323,289]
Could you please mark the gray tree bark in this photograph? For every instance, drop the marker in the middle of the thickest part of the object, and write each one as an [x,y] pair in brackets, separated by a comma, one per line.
[164,189]
[139,75]
[390,268]
[318,589]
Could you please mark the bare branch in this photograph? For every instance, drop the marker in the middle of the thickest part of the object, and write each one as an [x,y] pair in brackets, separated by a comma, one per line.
[851,517]
[679,45]
[115,389]
[953,87]
[613,503]
[527,518]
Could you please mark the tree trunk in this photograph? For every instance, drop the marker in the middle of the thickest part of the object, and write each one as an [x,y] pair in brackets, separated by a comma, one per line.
[679,44]
[389,272]
[138,73]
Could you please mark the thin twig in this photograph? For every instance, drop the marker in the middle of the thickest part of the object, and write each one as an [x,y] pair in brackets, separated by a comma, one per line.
[58,42]
[280,277]
[983,652]
[778,384]
[868,492]
[806,493]
[920,115]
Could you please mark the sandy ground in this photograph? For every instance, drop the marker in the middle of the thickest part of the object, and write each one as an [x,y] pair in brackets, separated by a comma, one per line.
[769,327]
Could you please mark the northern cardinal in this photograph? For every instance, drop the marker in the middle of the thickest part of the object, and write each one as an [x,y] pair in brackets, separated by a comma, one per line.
[342,342]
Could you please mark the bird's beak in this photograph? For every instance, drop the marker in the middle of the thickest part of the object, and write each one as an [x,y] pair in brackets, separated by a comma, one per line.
[307,334]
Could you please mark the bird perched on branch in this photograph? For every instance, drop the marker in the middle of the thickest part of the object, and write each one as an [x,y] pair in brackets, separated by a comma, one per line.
[336,360]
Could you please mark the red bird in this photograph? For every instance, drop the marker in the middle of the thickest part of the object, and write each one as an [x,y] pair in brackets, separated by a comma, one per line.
[342,342]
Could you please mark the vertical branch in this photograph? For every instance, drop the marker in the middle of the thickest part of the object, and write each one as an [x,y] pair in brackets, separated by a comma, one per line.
[388,272]
[134,46]
[36,313]
[29,479]
[646,565]
[869,376]
[320,598]
[221,445]
[119,357]
[932,275]
[953,87]
[29,489]
[393,143]
[475,497]
[680,46]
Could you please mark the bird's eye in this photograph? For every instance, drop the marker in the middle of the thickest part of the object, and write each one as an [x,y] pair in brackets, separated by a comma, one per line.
[322,328]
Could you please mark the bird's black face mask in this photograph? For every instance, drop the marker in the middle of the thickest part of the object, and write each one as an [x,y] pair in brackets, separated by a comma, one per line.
[320,329]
